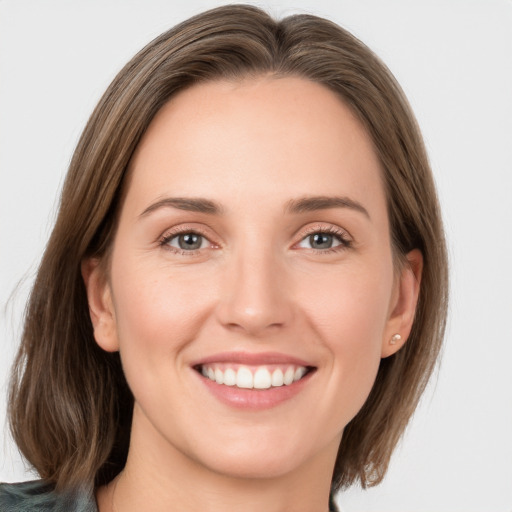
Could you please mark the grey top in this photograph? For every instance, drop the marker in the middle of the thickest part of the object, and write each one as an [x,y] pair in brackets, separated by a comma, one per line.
[40,496]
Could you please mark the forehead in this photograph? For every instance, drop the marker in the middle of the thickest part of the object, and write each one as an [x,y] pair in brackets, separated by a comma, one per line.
[267,138]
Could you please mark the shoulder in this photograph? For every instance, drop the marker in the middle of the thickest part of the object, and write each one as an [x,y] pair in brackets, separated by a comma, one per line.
[40,496]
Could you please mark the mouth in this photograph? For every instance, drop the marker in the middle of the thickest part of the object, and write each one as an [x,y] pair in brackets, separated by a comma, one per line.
[253,381]
[258,377]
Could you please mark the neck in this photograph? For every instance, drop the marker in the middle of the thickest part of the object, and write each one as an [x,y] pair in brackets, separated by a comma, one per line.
[158,477]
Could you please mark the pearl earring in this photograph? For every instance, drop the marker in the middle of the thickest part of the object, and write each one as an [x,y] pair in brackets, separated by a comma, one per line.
[394,339]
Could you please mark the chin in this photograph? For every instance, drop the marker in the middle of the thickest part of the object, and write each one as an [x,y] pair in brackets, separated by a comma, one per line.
[259,457]
[255,466]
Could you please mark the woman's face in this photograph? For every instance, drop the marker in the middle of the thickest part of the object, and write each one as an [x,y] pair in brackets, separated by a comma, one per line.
[251,290]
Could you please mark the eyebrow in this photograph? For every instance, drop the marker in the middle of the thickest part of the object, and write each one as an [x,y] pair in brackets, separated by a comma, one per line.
[196,204]
[300,205]
[313,203]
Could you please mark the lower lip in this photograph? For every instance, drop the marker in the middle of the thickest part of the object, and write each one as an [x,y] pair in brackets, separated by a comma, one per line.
[254,399]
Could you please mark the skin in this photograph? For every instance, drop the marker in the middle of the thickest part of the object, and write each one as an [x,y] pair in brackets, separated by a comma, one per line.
[255,285]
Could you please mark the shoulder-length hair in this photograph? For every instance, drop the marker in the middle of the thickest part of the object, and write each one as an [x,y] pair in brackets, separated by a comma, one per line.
[69,405]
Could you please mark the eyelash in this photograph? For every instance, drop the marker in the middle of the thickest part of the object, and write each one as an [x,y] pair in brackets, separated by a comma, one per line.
[181,230]
[339,234]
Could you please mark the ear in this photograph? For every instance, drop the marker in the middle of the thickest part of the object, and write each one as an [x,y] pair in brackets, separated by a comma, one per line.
[403,304]
[101,307]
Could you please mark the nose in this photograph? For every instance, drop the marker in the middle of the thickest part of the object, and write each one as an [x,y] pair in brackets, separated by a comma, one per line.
[256,296]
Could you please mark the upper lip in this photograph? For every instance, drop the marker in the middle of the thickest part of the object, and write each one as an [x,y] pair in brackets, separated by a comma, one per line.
[252,359]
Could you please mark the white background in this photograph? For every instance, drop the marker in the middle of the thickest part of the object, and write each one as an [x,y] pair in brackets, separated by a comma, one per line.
[454,61]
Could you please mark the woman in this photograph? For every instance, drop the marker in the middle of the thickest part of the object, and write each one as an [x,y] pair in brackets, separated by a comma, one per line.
[244,294]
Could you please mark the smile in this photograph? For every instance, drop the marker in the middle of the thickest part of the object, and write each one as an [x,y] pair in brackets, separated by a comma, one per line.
[253,377]
[253,381]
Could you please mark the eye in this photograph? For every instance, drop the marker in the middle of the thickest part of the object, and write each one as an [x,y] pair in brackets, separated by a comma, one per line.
[189,241]
[321,240]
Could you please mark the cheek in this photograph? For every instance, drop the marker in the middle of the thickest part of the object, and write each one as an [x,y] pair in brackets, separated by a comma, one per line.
[349,315]
[350,305]
[157,312]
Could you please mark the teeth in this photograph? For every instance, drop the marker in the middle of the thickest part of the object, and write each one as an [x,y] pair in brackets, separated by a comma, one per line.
[277,378]
[219,376]
[288,376]
[244,378]
[230,377]
[299,373]
[260,377]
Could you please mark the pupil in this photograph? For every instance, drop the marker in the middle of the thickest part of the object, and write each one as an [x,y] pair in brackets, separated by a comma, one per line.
[321,241]
[189,241]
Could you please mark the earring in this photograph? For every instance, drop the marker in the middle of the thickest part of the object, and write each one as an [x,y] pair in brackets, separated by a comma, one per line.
[394,339]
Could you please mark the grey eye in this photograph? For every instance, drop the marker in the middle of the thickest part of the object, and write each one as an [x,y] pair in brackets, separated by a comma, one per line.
[188,241]
[320,241]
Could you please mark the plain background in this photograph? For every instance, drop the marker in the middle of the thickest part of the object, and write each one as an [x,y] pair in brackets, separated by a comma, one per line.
[454,61]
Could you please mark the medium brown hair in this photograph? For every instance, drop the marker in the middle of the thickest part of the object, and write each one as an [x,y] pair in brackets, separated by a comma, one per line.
[70,406]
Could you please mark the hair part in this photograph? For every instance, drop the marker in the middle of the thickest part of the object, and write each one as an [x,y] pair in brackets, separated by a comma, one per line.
[69,404]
